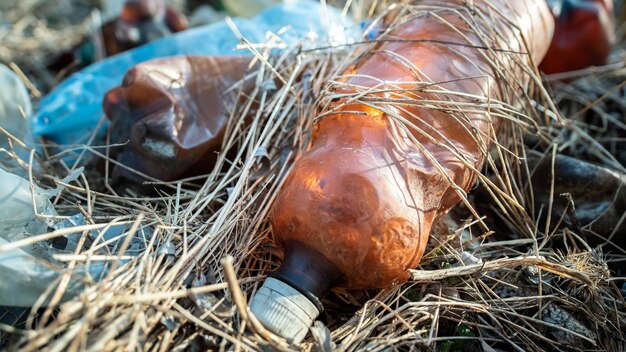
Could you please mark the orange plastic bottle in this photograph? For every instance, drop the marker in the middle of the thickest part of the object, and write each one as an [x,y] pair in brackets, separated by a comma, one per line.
[357,209]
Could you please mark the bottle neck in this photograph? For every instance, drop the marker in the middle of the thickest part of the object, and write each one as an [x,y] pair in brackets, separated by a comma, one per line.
[308,271]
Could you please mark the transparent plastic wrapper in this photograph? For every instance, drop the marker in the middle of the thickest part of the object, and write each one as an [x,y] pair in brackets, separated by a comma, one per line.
[24,274]
[28,271]
[174,129]
[17,211]
[70,113]
[15,107]
[583,36]
[396,145]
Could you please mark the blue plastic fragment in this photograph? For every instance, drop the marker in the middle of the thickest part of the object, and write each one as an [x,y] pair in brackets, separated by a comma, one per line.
[71,112]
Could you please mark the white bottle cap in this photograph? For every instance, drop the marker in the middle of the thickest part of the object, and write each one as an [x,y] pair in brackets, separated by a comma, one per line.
[283,310]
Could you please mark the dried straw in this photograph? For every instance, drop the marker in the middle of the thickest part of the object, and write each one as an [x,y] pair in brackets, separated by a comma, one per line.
[211,245]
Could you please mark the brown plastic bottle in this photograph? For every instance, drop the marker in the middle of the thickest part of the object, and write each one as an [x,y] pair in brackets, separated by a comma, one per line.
[357,208]
[170,114]
[140,22]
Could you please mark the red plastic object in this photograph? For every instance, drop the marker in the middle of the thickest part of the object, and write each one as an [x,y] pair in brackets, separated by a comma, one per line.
[583,37]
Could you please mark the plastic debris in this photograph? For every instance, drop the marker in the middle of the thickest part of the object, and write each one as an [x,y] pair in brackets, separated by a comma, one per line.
[114,236]
[168,130]
[26,272]
[70,113]
[139,22]
[583,36]
[20,206]
[15,107]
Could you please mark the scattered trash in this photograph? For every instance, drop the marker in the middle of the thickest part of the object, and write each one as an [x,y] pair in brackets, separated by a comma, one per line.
[139,22]
[145,273]
[113,236]
[21,206]
[25,272]
[170,114]
[583,36]
[70,113]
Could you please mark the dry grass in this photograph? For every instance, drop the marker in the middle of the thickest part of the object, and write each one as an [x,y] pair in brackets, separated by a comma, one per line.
[210,246]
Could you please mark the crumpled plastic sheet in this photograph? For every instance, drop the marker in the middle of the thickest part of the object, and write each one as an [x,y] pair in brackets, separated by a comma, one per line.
[15,107]
[28,271]
[24,272]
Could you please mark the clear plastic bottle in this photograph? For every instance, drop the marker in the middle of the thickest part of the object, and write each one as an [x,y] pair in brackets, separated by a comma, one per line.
[357,208]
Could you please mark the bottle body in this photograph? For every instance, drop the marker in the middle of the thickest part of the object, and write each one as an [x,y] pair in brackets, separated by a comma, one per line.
[354,201]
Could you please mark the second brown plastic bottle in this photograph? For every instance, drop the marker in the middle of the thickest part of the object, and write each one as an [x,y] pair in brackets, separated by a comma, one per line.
[169,115]
[140,22]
